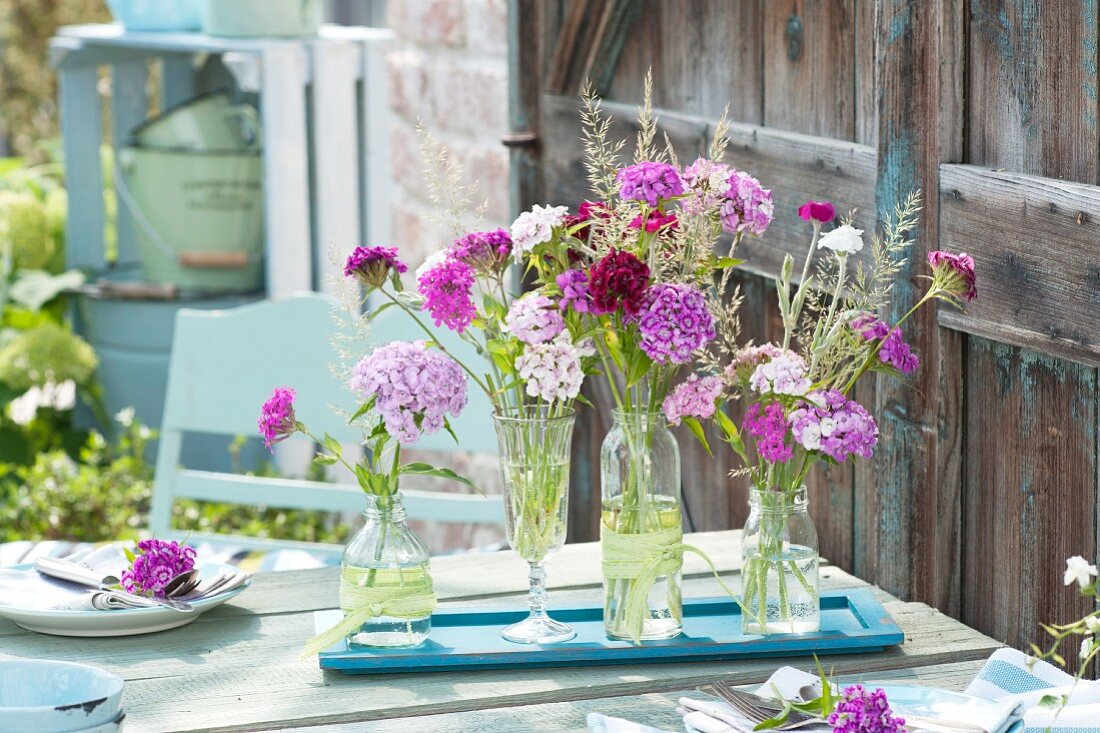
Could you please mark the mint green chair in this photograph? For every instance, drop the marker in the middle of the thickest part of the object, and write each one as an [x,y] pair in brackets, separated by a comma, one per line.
[224,364]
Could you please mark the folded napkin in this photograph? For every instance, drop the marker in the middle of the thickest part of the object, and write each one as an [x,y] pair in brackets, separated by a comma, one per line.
[1006,679]
[31,590]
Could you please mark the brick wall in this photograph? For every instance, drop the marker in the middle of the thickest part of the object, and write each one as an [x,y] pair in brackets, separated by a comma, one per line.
[448,71]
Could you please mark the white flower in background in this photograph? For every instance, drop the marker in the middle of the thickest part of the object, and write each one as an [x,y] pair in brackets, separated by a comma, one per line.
[431,262]
[1079,569]
[534,227]
[844,240]
[58,396]
[1092,623]
[1086,647]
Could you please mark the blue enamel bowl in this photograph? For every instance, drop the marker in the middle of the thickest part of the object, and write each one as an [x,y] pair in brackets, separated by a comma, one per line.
[57,697]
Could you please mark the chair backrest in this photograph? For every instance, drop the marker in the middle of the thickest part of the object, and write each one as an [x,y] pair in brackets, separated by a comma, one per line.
[224,364]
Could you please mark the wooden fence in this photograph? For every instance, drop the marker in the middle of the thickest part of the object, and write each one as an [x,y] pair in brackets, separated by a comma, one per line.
[986,478]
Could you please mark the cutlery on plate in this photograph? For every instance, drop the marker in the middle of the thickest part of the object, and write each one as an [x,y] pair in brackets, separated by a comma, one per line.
[65,570]
[757,709]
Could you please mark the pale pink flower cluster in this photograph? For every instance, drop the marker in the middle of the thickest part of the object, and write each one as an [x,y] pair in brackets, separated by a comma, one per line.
[693,398]
[551,370]
[534,319]
[784,374]
[534,227]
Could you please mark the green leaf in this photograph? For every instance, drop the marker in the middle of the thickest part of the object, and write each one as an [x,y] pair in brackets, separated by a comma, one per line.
[697,430]
[424,469]
[363,409]
[450,430]
[332,445]
[637,367]
[726,262]
[733,435]
[129,554]
[324,459]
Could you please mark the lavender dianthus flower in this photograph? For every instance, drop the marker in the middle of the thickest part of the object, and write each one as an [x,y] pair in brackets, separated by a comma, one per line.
[674,323]
[410,383]
[532,228]
[551,370]
[574,291]
[748,206]
[692,398]
[894,351]
[155,564]
[783,374]
[707,183]
[861,711]
[534,319]
[649,181]
[448,288]
[834,425]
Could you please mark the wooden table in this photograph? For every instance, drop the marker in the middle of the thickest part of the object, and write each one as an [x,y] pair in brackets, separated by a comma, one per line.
[237,667]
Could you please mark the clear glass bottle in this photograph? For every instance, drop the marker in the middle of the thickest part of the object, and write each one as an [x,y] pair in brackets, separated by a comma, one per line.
[640,476]
[779,548]
[388,562]
[534,467]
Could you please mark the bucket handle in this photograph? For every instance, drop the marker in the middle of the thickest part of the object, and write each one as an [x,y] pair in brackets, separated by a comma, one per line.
[193,260]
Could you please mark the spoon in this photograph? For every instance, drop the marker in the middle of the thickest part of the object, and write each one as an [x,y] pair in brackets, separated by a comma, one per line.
[182,584]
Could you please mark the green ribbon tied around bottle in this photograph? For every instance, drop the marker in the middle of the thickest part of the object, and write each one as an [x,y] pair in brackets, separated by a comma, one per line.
[391,592]
[641,559]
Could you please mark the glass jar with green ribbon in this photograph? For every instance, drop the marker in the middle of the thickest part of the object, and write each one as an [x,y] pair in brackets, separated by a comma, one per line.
[385,583]
[641,530]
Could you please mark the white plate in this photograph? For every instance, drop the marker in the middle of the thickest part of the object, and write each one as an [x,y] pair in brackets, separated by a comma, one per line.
[124,622]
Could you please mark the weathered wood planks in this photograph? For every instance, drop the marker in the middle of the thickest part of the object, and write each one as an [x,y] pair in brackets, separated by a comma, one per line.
[1037,245]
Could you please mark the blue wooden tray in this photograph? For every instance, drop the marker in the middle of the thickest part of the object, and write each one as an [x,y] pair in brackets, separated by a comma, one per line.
[851,621]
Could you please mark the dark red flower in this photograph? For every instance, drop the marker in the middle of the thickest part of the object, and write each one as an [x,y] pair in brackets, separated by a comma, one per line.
[655,220]
[821,211]
[619,279]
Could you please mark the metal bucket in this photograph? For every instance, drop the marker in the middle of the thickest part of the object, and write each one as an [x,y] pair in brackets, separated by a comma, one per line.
[199,216]
[256,18]
[157,15]
[206,122]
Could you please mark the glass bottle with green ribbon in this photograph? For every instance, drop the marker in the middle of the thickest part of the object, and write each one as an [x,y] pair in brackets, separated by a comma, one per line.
[779,574]
[385,582]
[641,531]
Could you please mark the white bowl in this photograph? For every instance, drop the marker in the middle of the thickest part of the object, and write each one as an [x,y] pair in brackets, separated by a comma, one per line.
[57,697]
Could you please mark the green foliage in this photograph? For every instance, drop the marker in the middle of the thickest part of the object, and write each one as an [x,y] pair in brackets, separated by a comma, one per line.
[46,354]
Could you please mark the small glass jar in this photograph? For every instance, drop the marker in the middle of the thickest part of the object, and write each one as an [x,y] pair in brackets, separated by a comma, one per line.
[641,518]
[779,549]
[385,566]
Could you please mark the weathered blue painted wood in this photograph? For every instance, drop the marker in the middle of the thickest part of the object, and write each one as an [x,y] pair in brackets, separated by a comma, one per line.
[852,620]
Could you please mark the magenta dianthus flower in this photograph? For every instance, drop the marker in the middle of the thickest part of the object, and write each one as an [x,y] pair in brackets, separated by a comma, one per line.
[674,322]
[655,220]
[574,291]
[415,388]
[834,425]
[819,211]
[869,327]
[861,711]
[692,398]
[155,564]
[748,206]
[649,181]
[448,294]
[957,272]
[372,265]
[277,422]
[486,252]
[769,426]
[534,319]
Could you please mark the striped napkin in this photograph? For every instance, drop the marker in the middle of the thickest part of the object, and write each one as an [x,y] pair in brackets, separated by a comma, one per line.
[1006,678]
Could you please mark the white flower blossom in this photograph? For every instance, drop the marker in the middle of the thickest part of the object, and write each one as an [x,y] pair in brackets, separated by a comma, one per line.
[844,240]
[1079,569]
[432,261]
[1092,623]
[534,227]
[1086,647]
[551,370]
